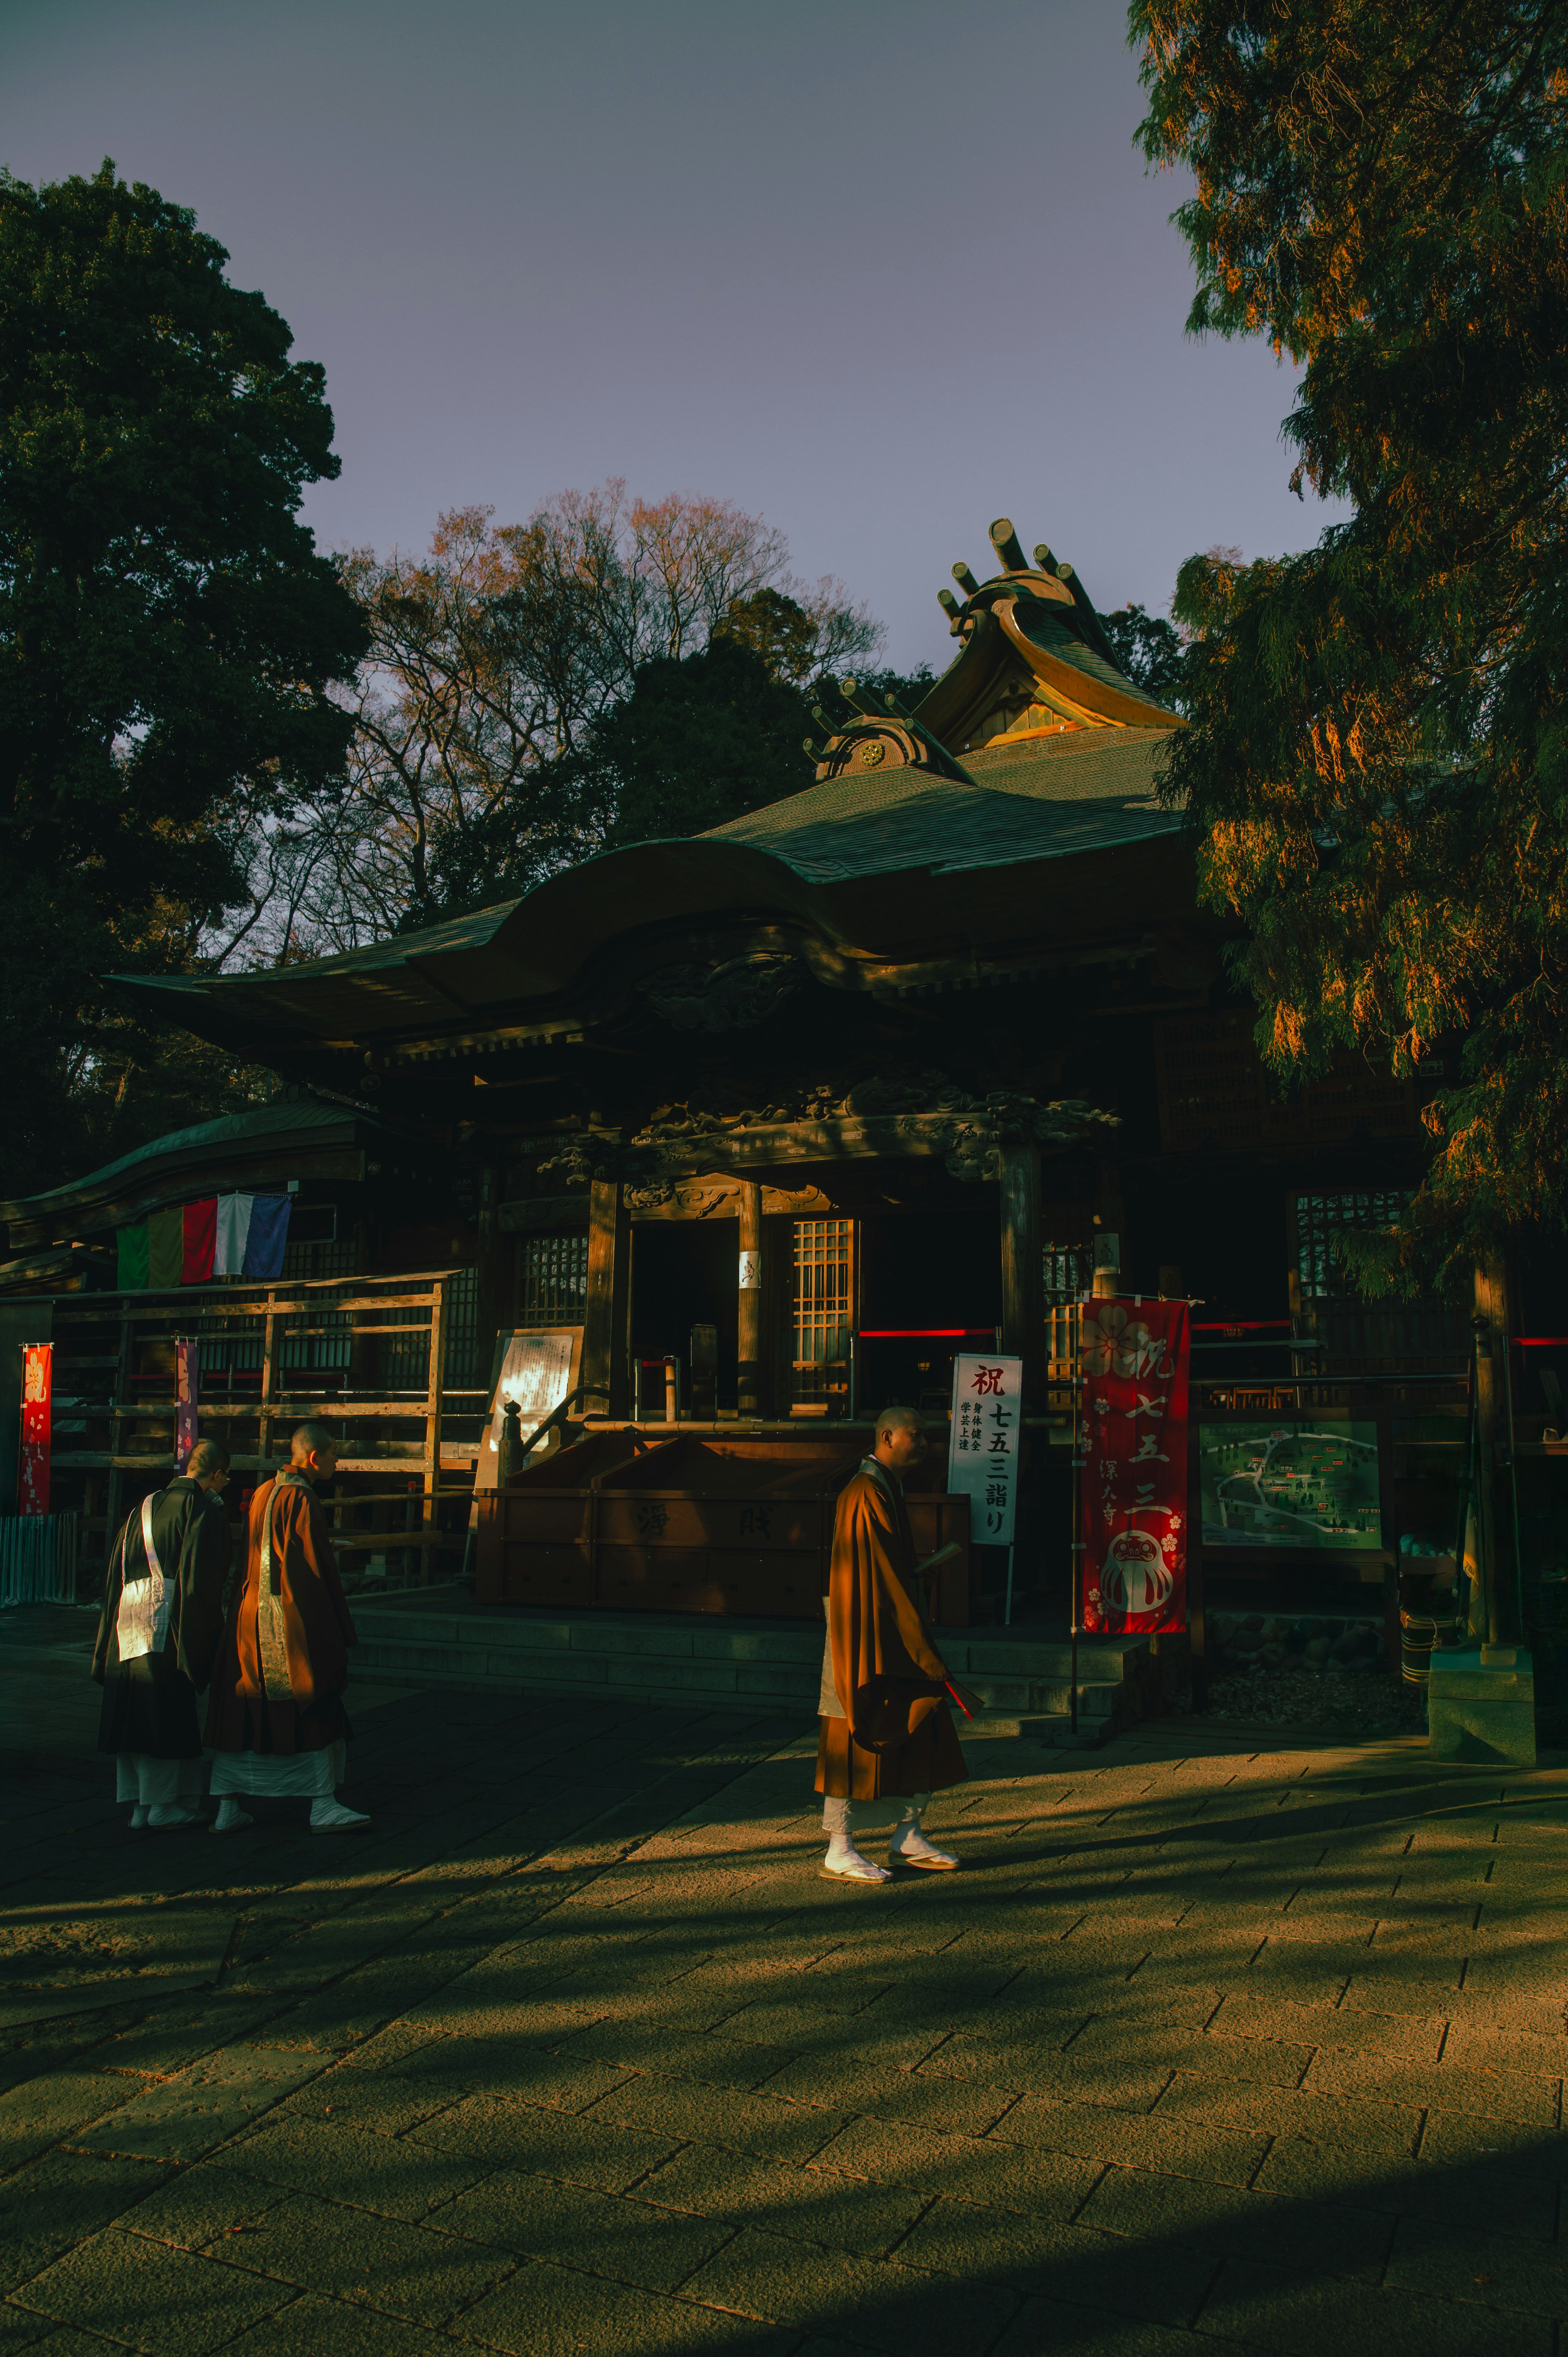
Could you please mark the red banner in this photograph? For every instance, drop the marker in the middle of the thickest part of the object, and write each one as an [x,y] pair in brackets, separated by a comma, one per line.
[187,1390]
[1132,1357]
[37,1387]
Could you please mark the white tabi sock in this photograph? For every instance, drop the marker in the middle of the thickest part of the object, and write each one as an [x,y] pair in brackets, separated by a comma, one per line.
[139,1817]
[844,1859]
[909,1844]
[329,1816]
[230,1818]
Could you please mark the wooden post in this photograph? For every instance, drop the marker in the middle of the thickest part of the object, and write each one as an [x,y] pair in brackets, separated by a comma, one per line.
[1492,1329]
[432,1425]
[604,1311]
[1023,1308]
[269,1386]
[748,1384]
[493,1308]
[119,1398]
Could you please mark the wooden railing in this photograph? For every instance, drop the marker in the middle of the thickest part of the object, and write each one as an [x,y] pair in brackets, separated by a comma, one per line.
[115,1374]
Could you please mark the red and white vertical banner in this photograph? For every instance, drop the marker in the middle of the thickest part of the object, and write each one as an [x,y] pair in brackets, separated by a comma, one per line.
[187,1386]
[1134,1359]
[37,1400]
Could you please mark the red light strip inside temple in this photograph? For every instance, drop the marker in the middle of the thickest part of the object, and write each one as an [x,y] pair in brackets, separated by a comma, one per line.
[927,1334]
[1244,1326]
[1541,1342]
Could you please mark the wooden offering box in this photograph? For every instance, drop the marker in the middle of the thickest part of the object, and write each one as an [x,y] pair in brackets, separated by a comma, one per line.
[694,1523]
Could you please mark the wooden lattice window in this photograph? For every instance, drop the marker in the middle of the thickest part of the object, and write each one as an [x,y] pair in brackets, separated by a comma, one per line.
[555,1280]
[1320,1218]
[825,1309]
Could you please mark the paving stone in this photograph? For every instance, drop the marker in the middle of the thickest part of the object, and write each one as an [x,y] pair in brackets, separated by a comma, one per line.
[149,2296]
[386,2264]
[1379,2130]
[1152,2211]
[1524,2151]
[1492,2095]
[313,2326]
[550,2144]
[1071,2263]
[42,2336]
[349,2164]
[871,2303]
[56,2105]
[1276,2310]
[632,2241]
[56,2200]
[811,2205]
[976,2169]
[551,2312]
[1200,2148]
[766,2126]
[202,2206]
[180,2118]
[1492,2270]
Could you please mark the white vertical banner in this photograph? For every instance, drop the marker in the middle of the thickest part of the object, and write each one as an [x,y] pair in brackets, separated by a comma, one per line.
[982,1452]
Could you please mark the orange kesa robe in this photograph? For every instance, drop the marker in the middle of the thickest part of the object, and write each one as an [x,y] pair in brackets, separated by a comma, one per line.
[281,1671]
[896,1733]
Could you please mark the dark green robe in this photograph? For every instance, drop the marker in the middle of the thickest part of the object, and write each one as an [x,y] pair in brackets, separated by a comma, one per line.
[149,1703]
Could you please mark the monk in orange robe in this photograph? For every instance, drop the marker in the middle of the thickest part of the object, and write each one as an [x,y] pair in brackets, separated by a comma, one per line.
[885,1739]
[275,1716]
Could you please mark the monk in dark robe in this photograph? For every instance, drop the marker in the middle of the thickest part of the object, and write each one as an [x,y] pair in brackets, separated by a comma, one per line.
[157,1635]
[885,1739]
[275,1717]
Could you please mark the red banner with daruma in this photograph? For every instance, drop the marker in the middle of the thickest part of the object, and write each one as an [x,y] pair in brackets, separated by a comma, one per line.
[38,1389]
[1134,1358]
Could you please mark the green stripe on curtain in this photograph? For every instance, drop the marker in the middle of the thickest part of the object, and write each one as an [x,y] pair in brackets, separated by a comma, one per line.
[132,1244]
[166,1247]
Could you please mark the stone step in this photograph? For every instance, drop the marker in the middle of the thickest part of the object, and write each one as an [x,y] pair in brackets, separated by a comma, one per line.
[441,1637]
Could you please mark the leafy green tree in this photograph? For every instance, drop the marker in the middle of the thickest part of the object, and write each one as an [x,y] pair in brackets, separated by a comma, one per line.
[701,741]
[169,632]
[1377,761]
[1149,651]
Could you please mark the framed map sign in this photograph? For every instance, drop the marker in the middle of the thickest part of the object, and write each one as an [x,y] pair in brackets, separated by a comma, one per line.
[1291,1481]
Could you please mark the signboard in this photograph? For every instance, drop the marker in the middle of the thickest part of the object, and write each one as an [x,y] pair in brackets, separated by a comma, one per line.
[186,1385]
[37,1388]
[1134,1357]
[536,1372]
[1289,1482]
[982,1453]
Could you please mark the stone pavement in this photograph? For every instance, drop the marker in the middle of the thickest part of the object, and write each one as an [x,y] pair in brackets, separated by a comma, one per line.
[1205,2048]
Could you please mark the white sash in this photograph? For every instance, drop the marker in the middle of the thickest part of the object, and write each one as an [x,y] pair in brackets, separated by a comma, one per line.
[141,1625]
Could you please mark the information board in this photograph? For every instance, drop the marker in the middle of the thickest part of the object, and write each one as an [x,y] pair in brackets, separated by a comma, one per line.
[982,1452]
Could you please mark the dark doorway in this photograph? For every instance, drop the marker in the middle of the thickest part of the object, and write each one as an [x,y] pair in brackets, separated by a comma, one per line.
[683,1274]
[924,1269]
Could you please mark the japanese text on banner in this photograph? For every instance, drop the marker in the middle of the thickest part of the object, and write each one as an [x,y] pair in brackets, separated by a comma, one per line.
[982,1453]
[1133,1360]
[38,1390]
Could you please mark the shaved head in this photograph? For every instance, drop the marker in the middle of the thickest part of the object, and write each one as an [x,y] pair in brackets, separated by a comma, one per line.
[899,1419]
[310,1441]
[207,1458]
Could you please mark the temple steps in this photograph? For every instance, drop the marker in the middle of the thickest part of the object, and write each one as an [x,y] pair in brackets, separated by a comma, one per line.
[439,1636]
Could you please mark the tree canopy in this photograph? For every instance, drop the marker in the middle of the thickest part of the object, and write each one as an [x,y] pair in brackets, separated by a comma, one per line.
[1149,649]
[169,632]
[1377,761]
[535,691]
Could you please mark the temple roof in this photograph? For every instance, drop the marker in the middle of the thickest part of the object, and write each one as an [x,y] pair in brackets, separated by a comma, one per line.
[1033,748]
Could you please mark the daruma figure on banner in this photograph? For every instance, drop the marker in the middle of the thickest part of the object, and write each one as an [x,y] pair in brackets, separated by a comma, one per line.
[1135,1577]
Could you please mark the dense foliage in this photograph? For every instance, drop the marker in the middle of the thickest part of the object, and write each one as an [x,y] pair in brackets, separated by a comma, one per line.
[169,631]
[1149,649]
[1378,763]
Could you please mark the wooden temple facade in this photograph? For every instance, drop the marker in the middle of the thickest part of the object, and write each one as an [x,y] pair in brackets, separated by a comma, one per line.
[773,1120]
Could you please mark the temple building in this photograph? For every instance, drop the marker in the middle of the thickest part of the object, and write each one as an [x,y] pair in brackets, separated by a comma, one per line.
[770,1122]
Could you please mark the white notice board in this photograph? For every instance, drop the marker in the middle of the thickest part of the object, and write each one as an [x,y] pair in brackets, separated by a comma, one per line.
[536,1371]
[982,1452]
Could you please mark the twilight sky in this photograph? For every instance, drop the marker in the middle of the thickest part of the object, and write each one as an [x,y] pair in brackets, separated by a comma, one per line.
[882,270]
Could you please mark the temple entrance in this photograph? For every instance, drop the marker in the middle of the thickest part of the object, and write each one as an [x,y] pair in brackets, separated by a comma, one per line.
[683,1274]
[931,1286]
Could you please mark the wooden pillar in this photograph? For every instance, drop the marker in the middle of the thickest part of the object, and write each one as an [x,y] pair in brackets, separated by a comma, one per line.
[494,1269]
[1023,1309]
[749,1374]
[1492,1331]
[605,1310]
